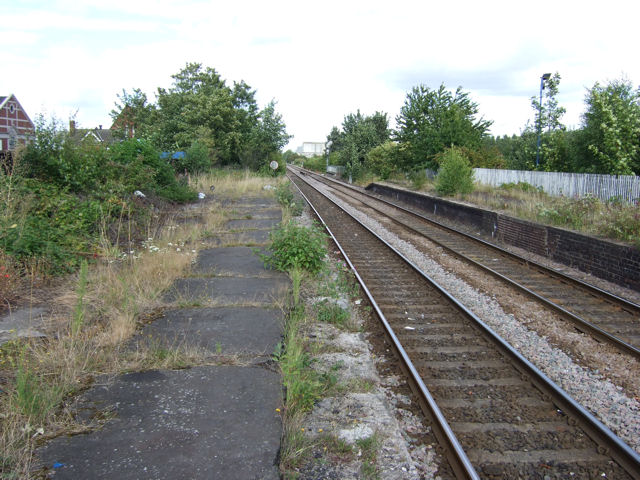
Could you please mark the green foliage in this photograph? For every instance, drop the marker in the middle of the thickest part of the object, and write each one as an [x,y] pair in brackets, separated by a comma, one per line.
[303,384]
[317,164]
[623,222]
[293,158]
[330,312]
[267,136]
[286,199]
[50,224]
[612,129]
[196,159]
[484,157]
[62,195]
[148,172]
[455,174]
[359,135]
[383,159]
[33,395]
[418,178]
[284,194]
[53,157]
[548,113]
[521,186]
[133,116]
[432,120]
[296,247]
[201,108]
[79,311]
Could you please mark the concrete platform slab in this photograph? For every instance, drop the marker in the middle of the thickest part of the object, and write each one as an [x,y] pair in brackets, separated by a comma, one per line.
[246,237]
[256,201]
[244,224]
[249,213]
[24,322]
[228,290]
[231,260]
[243,330]
[214,422]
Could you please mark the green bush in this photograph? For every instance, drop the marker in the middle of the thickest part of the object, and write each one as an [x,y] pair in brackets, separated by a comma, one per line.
[455,174]
[196,159]
[382,159]
[418,178]
[296,247]
[318,164]
[521,186]
[284,194]
[571,213]
[148,172]
[50,224]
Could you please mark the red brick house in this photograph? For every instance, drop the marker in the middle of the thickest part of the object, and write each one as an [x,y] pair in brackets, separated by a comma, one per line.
[16,128]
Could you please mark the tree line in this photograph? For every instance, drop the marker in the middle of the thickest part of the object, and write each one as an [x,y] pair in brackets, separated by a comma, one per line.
[201,109]
[433,123]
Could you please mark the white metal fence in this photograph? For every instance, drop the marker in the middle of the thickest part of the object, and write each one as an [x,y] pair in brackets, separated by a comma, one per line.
[604,187]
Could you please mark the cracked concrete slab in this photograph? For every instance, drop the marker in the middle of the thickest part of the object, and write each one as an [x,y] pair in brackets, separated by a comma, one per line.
[246,237]
[228,290]
[202,423]
[252,213]
[224,330]
[247,224]
[21,323]
[232,261]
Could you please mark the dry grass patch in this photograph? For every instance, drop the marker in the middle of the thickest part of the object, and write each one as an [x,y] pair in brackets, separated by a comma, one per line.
[235,183]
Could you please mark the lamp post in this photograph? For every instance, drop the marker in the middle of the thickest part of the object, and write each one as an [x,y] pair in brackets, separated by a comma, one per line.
[543,78]
[328,150]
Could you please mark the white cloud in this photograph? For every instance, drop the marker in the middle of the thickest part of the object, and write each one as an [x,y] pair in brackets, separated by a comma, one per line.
[320,61]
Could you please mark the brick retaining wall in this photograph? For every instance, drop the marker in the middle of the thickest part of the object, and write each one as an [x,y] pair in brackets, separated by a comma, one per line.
[616,263]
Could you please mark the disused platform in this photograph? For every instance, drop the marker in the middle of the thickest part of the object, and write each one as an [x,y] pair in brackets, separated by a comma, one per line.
[219,420]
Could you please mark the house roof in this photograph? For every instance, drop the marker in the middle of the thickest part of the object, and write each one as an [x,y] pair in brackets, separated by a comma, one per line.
[102,135]
[4,100]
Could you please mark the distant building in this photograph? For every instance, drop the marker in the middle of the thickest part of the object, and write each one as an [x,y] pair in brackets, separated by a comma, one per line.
[97,135]
[311,149]
[124,123]
[16,128]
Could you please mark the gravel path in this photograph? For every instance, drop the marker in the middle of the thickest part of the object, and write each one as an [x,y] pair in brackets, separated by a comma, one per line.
[603,398]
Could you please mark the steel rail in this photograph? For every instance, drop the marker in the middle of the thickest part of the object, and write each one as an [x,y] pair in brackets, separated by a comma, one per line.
[580,323]
[458,460]
[624,455]
[622,302]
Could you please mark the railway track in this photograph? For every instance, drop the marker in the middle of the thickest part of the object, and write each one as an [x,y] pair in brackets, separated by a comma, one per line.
[606,317]
[495,414]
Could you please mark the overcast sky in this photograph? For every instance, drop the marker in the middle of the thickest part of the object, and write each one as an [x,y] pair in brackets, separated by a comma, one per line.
[318,60]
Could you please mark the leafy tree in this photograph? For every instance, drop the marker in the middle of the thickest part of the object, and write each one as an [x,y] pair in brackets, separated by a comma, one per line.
[382,160]
[611,126]
[200,107]
[196,159]
[133,116]
[553,139]
[267,137]
[432,120]
[358,136]
[548,113]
